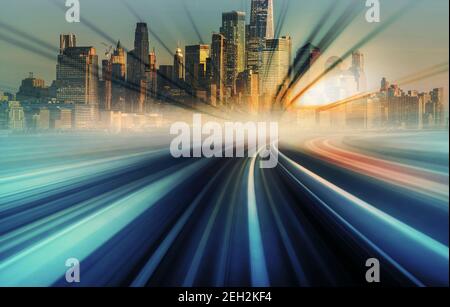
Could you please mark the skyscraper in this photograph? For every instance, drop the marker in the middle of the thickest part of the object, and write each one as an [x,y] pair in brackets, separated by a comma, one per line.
[261,19]
[358,70]
[437,99]
[153,74]
[218,64]
[358,60]
[165,77]
[118,62]
[139,60]
[233,29]
[276,58]
[260,28]
[253,50]
[106,101]
[178,66]
[138,68]
[196,56]
[77,76]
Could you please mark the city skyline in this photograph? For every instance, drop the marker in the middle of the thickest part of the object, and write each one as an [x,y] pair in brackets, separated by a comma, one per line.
[259,144]
[377,66]
[79,98]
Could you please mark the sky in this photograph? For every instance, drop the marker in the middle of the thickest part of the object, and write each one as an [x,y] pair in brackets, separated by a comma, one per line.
[416,40]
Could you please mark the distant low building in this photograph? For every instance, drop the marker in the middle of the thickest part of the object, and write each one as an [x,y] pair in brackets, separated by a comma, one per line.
[4,115]
[44,119]
[64,120]
[16,116]
[5,96]
[85,116]
[33,89]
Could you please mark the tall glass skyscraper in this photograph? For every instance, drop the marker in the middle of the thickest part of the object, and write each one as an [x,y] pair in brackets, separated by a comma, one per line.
[178,66]
[358,70]
[233,29]
[260,28]
[119,71]
[138,67]
[261,19]
[276,62]
[138,60]
[218,64]
[105,85]
[77,75]
[196,56]
[153,75]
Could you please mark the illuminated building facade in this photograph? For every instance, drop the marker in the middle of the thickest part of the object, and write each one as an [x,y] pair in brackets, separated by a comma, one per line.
[196,58]
[275,65]
[233,29]
[77,76]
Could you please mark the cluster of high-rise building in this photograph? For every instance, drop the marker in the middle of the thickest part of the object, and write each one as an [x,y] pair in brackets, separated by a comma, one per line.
[229,71]
[243,64]
[245,67]
[413,109]
[390,107]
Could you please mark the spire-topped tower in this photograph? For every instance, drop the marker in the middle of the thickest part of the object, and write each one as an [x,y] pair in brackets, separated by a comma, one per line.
[261,19]
[138,68]
[178,65]
[141,51]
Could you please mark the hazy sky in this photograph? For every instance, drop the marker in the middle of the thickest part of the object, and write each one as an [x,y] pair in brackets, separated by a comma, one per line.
[415,41]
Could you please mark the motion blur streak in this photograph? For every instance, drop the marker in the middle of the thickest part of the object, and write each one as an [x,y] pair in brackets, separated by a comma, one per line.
[369,219]
[432,182]
[258,262]
[134,216]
